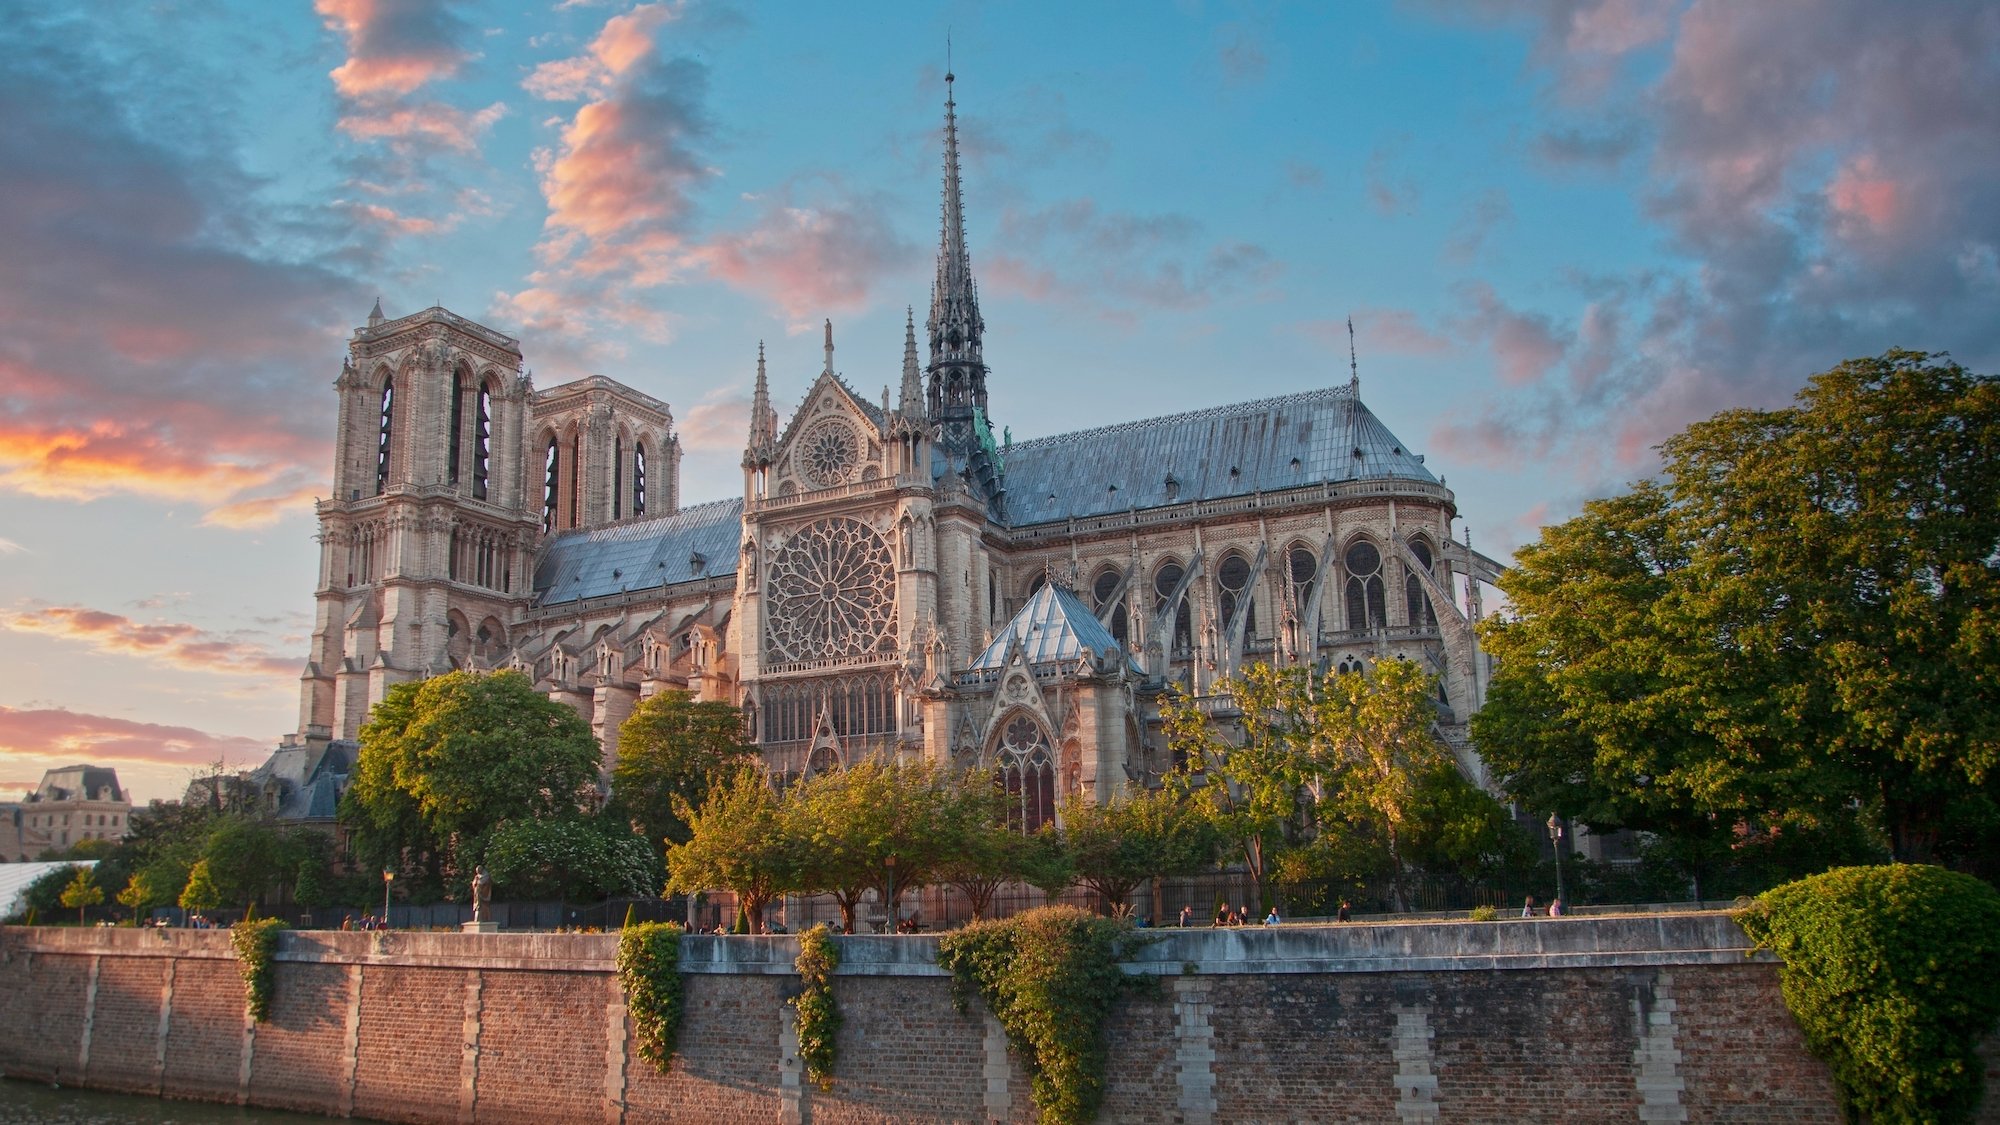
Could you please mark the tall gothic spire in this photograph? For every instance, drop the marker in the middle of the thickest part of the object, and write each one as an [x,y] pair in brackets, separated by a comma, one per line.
[910,402]
[957,373]
[763,419]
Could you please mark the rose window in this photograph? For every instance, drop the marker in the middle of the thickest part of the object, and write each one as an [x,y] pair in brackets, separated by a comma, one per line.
[832,593]
[828,453]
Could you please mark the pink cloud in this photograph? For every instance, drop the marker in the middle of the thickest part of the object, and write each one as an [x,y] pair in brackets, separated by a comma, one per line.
[718,422]
[61,737]
[810,260]
[1525,346]
[1863,192]
[175,643]
[430,123]
[394,46]
[624,42]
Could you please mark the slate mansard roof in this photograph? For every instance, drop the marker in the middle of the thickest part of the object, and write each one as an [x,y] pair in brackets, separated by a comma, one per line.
[695,542]
[1054,626]
[1270,444]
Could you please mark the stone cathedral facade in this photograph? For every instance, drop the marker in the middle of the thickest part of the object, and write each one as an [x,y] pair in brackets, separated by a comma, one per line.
[894,581]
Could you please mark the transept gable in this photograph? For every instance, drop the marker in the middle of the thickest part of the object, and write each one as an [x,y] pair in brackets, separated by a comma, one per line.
[835,437]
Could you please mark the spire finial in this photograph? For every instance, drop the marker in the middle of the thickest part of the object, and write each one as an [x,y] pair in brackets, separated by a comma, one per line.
[829,346]
[375,314]
[1353,366]
[911,403]
[763,420]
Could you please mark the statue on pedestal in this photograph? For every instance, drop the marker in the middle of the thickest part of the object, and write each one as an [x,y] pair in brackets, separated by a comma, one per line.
[482,894]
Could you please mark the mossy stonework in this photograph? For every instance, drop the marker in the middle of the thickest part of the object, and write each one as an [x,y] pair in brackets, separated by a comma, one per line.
[818,1013]
[254,942]
[1583,1019]
[649,972]
[1890,973]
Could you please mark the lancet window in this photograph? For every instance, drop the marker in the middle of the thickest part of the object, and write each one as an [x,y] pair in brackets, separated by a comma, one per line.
[1367,606]
[482,443]
[1103,589]
[451,451]
[382,435]
[859,705]
[639,479]
[1417,602]
[618,477]
[1232,581]
[1166,582]
[551,484]
[1025,770]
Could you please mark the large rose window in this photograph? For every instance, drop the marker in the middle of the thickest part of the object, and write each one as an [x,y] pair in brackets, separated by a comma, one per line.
[828,453]
[832,593]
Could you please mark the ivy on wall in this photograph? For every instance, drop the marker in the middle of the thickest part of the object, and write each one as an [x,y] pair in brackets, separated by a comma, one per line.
[1889,971]
[649,970]
[255,943]
[818,1014]
[1049,976]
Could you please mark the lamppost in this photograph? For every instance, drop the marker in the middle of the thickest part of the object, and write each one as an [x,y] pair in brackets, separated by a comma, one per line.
[388,877]
[890,904]
[1555,842]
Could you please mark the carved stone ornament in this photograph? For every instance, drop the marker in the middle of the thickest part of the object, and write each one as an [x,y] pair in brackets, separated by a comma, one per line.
[832,592]
[828,453]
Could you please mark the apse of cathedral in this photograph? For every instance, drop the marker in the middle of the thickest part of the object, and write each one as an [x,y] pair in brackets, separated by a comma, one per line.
[894,581]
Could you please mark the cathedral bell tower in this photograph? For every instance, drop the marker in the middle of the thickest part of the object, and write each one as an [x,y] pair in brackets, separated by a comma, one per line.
[426,545]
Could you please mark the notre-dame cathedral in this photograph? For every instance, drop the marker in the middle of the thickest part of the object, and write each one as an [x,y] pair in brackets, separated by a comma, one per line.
[893,580]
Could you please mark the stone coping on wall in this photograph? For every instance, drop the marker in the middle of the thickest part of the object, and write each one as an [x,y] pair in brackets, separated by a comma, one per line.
[1600,941]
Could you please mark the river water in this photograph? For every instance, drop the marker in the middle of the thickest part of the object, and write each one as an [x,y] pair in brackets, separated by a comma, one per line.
[36,1103]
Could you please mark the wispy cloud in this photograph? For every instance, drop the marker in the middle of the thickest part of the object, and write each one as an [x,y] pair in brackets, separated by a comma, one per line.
[1080,254]
[59,737]
[174,643]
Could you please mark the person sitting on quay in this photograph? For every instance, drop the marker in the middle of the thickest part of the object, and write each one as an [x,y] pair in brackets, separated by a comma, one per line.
[1271,919]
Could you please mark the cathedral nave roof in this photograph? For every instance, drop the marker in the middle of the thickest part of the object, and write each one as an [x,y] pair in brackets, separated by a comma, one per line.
[1262,446]
[698,541]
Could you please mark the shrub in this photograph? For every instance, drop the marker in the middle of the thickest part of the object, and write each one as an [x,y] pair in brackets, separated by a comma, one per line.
[1484,914]
[649,959]
[818,1014]
[1049,976]
[254,943]
[1889,973]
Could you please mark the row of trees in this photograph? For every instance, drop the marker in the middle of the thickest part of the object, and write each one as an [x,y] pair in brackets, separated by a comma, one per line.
[1324,779]
[1785,651]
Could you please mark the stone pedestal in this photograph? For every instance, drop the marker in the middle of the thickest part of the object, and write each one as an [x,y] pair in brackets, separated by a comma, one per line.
[480,927]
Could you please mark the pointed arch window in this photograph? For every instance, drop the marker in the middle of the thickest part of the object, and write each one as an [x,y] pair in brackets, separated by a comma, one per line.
[451,450]
[618,477]
[1417,602]
[639,479]
[1232,586]
[1367,604]
[482,441]
[1166,583]
[383,434]
[551,484]
[1025,771]
[575,507]
[1102,590]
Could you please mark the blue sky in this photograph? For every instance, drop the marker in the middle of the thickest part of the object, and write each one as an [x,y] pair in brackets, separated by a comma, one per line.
[1564,229]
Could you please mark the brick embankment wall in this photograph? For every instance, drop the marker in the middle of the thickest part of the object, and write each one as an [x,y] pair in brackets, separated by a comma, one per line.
[1625,1019]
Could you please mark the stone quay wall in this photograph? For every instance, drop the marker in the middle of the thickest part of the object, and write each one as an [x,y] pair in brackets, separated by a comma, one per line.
[1627,1018]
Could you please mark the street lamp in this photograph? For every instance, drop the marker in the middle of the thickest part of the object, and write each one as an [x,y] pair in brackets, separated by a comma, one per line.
[890,905]
[1555,842]
[388,877]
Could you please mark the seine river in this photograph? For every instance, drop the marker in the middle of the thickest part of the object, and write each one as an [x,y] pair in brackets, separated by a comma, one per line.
[33,1103]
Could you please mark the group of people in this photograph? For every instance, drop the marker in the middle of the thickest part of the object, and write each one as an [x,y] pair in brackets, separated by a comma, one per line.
[1556,908]
[366,922]
[1225,915]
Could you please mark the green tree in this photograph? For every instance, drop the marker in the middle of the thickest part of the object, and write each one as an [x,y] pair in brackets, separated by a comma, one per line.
[143,891]
[244,858]
[573,858]
[1116,846]
[44,895]
[984,852]
[1800,615]
[672,753]
[82,892]
[201,894]
[742,840]
[852,821]
[445,761]
[1375,735]
[1254,789]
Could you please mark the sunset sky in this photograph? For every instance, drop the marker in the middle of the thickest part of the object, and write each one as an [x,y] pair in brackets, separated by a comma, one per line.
[1564,229]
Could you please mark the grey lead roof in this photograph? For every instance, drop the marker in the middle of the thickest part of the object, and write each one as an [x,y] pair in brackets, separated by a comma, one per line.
[1054,625]
[695,542]
[1262,446]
